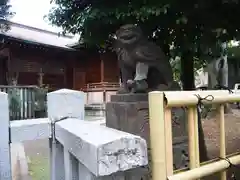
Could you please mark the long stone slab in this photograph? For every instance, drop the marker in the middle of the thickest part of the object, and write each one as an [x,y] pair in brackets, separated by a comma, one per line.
[102,150]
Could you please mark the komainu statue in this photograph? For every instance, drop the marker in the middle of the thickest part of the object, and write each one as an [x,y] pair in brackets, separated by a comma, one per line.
[218,73]
[143,65]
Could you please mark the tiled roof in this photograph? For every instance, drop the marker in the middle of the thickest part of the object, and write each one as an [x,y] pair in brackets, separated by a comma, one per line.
[39,36]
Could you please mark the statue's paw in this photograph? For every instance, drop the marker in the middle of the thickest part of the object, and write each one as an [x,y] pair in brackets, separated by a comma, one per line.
[130,82]
[140,87]
[123,90]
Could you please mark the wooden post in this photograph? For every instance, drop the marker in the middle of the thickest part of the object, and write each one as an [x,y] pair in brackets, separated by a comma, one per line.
[193,137]
[102,79]
[5,159]
[40,80]
[102,69]
[222,138]
[169,141]
[63,103]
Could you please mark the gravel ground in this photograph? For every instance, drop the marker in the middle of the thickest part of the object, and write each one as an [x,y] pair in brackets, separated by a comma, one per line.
[38,155]
[38,147]
[212,135]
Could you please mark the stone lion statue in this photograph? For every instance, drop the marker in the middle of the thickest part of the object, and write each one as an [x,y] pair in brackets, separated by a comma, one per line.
[142,63]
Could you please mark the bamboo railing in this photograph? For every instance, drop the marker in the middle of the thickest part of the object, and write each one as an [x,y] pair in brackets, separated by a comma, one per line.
[160,104]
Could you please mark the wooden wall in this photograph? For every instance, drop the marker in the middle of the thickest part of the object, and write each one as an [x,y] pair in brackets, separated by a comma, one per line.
[62,69]
[94,68]
[57,67]
[111,70]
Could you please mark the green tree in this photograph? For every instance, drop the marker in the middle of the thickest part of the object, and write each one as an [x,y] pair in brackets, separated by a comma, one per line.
[191,27]
[5,13]
[5,9]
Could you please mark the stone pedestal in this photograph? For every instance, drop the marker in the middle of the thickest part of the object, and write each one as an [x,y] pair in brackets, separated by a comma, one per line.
[129,113]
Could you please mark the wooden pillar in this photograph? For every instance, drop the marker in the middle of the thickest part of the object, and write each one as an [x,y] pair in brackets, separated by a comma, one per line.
[102,78]
[102,68]
[40,79]
[69,73]
[12,71]
[8,67]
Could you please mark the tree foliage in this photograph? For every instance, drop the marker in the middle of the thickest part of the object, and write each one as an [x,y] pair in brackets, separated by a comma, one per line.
[193,28]
[5,13]
[5,9]
[185,24]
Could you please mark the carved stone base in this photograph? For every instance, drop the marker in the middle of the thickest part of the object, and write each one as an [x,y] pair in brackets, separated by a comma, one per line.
[129,113]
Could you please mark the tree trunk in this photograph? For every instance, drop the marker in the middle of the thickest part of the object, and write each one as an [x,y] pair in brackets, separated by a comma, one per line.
[202,145]
[187,77]
[187,71]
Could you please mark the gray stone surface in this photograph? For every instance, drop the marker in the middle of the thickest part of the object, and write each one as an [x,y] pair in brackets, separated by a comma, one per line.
[5,160]
[65,102]
[129,97]
[101,149]
[30,129]
[129,113]
[62,103]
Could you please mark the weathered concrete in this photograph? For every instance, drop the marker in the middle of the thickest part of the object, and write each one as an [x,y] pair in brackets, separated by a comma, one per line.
[5,160]
[65,102]
[62,103]
[102,150]
[31,129]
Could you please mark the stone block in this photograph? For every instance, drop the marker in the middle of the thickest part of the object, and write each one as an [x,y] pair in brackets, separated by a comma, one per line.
[65,102]
[130,113]
[5,161]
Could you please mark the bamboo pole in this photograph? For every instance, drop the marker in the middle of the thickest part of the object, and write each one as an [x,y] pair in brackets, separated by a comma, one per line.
[222,138]
[197,137]
[215,92]
[157,135]
[182,170]
[169,142]
[206,170]
[178,100]
[192,138]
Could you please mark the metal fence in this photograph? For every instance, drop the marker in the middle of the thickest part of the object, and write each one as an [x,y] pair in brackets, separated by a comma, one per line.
[25,101]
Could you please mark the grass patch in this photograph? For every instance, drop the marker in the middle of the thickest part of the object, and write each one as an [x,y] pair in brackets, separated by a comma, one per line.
[39,168]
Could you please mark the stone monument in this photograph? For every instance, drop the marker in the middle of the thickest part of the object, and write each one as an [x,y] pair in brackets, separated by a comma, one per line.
[144,68]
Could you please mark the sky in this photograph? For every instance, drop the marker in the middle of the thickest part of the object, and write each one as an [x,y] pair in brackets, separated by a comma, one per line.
[31,12]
